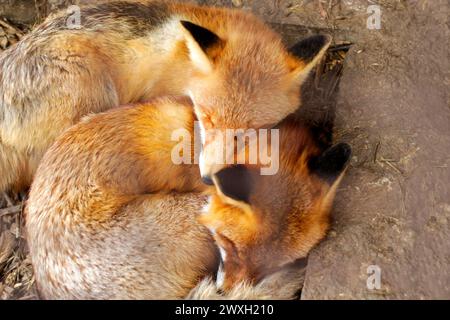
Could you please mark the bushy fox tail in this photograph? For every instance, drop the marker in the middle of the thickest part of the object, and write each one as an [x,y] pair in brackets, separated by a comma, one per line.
[285,284]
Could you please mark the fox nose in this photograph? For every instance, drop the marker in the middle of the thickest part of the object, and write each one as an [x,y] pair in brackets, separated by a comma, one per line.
[207,180]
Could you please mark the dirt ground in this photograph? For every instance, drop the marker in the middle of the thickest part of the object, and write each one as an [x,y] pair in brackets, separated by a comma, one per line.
[392,212]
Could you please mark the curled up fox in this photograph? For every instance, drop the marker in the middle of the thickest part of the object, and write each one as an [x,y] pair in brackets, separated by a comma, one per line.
[235,69]
[110,216]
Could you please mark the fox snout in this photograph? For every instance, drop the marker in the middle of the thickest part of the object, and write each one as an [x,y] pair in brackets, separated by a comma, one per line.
[207,180]
[209,165]
[226,148]
[216,154]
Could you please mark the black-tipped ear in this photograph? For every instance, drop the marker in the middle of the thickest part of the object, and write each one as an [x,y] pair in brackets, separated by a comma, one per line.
[205,38]
[308,49]
[332,162]
[235,182]
[308,52]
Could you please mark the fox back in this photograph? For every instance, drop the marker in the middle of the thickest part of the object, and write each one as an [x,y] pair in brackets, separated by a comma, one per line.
[109,216]
[236,70]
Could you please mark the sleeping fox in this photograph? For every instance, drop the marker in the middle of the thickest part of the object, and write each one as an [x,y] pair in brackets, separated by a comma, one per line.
[110,216]
[235,68]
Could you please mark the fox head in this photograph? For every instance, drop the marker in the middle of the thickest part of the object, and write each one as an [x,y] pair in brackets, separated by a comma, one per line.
[263,222]
[244,79]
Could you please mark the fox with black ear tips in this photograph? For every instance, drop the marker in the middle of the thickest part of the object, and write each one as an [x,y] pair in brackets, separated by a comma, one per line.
[235,69]
[261,223]
[110,216]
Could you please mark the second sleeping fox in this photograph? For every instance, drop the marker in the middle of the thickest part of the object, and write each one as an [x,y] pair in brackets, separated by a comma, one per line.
[235,69]
[110,216]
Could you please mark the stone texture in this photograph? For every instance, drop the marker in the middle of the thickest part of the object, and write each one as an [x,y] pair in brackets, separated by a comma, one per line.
[22,11]
[393,208]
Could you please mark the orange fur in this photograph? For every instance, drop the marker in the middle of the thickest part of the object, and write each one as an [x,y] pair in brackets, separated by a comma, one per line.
[129,52]
[110,216]
[287,215]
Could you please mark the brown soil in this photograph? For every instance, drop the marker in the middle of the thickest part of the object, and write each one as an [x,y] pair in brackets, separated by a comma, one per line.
[393,107]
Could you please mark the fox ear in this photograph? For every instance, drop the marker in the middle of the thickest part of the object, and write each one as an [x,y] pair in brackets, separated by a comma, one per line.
[330,165]
[309,52]
[199,40]
[235,183]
